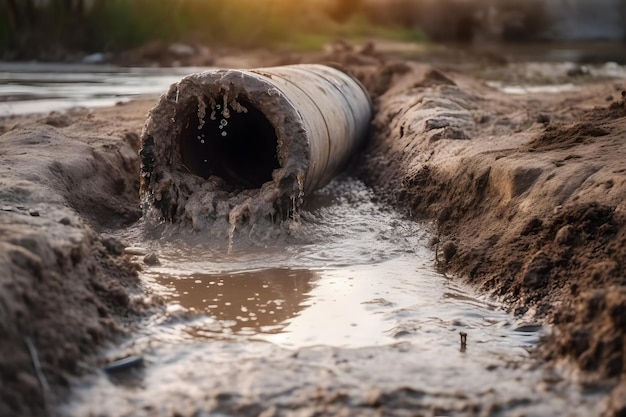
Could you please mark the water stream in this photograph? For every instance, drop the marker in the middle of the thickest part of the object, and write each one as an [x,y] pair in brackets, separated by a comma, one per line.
[32,87]
[345,313]
[250,328]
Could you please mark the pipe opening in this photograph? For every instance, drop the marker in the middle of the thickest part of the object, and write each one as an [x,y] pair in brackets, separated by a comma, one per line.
[240,148]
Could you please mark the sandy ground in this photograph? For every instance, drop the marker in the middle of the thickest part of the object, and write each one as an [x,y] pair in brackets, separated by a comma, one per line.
[65,288]
[526,191]
[527,194]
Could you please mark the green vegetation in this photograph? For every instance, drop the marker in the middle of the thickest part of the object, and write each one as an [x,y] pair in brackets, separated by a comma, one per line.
[357,29]
[54,28]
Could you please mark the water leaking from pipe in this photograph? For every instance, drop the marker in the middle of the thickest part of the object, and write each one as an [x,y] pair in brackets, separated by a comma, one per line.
[226,147]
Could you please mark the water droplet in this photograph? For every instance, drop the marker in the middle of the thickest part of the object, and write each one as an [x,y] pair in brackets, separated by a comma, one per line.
[223,122]
[221,127]
[206,161]
[202,141]
[224,133]
[218,106]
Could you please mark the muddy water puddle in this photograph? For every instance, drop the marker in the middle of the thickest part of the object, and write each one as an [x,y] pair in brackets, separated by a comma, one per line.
[345,314]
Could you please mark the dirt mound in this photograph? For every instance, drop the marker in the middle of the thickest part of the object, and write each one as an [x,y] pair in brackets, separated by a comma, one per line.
[555,137]
[64,288]
[594,124]
[62,298]
[529,210]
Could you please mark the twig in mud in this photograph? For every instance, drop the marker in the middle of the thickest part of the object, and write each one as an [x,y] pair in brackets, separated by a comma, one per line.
[438,239]
[463,341]
[45,388]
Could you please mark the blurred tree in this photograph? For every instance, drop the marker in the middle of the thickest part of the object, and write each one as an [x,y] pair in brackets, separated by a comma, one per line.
[397,13]
[342,10]
[45,29]
[20,14]
[523,20]
[66,29]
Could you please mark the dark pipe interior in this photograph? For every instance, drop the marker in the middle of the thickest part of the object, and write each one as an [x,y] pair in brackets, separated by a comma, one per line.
[240,149]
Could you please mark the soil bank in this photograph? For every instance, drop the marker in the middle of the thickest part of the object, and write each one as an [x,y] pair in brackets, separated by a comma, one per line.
[526,192]
[65,287]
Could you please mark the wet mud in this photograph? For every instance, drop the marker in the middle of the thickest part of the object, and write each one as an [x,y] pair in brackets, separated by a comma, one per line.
[525,192]
[232,147]
[65,287]
[528,197]
[349,307]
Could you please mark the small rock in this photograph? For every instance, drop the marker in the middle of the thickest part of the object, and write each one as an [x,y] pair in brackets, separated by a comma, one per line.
[113,246]
[401,333]
[483,118]
[34,213]
[432,124]
[6,208]
[565,235]
[124,364]
[551,377]
[528,328]
[135,250]
[449,250]
[151,259]
[537,273]
[65,221]
[578,71]
[543,118]
[520,311]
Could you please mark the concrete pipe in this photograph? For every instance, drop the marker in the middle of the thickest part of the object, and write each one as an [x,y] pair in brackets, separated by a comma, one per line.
[243,144]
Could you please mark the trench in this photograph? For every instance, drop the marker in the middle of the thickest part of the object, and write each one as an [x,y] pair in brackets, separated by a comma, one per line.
[346,306]
[344,314]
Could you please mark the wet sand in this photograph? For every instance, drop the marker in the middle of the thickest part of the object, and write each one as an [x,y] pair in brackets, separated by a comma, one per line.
[526,193]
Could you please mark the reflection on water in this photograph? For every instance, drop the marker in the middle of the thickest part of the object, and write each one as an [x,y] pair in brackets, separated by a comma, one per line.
[598,52]
[348,306]
[32,87]
[532,89]
[353,274]
[27,87]
[252,302]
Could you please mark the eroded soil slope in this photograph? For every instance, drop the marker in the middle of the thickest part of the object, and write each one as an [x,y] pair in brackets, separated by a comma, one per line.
[527,193]
[65,288]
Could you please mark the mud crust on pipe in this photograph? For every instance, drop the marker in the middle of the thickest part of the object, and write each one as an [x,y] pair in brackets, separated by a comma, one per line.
[228,147]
